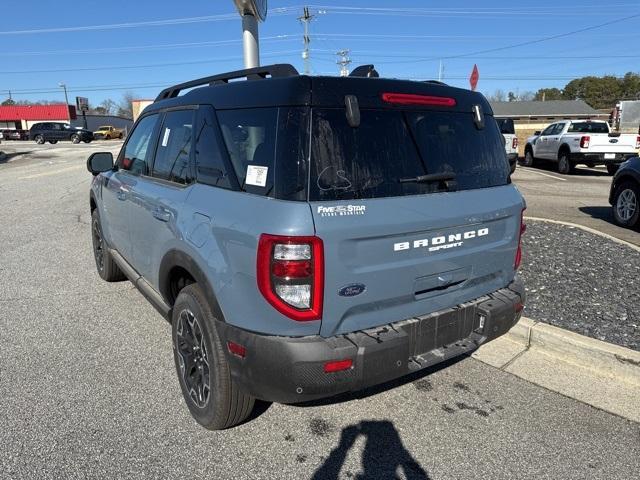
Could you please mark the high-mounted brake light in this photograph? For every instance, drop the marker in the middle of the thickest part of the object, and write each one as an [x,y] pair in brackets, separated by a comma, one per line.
[522,229]
[584,141]
[413,99]
[514,143]
[290,273]
[638,142]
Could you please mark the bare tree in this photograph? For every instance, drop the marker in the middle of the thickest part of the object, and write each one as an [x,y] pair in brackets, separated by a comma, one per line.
[497,96]
[109,106]
[126,105]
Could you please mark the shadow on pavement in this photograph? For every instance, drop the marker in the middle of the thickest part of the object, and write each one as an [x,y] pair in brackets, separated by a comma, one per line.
[383,453]
[601,213]
[579,170]
[6,156]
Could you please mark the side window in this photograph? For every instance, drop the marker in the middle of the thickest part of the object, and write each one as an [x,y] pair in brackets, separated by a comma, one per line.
[210,167]
[548,130]
[173,155]
[250,138]
[558,129]
[136,152]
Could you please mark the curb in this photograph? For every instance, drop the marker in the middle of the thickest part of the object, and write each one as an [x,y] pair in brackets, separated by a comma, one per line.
[604,358]
[586,229]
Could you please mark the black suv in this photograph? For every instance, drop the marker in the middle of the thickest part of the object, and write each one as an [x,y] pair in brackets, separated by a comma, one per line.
[53,132]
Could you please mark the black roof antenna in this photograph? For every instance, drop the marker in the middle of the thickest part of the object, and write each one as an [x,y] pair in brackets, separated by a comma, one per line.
[368,71]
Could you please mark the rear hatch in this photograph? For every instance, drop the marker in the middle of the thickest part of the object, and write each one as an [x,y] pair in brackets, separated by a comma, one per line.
[398,244]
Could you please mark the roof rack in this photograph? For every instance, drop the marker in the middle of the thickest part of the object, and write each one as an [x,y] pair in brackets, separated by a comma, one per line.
[368,71]
[278,70]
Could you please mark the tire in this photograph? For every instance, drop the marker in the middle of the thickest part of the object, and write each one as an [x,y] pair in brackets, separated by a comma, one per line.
[120,136]
[626,204]
[107,267]
[564,165]
[87,141]
[612,169]
[75,138]
[528,159]
[107,137]
[53,142]
[39,139]
[213,398]
[591,165]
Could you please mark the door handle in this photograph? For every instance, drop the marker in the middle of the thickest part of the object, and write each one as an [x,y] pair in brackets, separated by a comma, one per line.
[122,193]
[161,214]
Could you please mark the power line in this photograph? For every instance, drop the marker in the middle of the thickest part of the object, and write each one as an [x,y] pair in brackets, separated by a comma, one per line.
[522,44]
[150,65]
[151,23]
[145,47]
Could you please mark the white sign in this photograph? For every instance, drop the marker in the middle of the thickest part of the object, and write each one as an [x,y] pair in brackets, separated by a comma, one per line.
[256,176]
[165,139]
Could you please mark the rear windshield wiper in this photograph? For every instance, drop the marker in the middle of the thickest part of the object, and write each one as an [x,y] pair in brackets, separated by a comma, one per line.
[433,177]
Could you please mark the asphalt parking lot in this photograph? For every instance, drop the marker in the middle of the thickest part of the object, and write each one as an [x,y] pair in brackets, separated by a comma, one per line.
[88,387]
[581,198]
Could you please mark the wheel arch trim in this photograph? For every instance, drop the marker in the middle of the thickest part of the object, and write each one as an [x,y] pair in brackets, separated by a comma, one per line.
[177,258]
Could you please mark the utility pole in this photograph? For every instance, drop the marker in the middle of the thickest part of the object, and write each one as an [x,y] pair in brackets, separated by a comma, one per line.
[306,19]
[344,62]
[66,100]
[441,71]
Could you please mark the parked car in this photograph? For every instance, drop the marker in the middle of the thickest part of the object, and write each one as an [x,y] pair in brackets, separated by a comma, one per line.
[309,236]
[107,132]
[624,196]
[508,130]
[15,134]
[587,142]
[54,132]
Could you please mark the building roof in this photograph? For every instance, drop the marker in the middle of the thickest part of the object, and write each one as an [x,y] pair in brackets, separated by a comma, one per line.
[565,108]
[36,112]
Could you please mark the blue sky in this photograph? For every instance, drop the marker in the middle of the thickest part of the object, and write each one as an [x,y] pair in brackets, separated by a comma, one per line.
[402,38]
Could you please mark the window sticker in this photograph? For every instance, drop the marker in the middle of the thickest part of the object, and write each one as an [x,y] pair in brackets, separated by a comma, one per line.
[256,176]
[165,139]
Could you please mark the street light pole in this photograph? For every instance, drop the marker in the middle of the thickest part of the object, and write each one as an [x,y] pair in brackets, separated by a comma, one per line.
[66,100]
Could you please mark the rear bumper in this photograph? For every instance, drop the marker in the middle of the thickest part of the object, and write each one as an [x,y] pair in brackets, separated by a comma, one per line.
[598,158]
[291,369]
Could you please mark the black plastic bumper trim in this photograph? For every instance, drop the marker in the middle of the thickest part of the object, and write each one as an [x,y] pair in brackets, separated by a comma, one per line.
[291,369]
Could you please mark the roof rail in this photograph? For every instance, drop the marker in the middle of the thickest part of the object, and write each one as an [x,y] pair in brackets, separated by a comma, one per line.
[274,71]
[368,71]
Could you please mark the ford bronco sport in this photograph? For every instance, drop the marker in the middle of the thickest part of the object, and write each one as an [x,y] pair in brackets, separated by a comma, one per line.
[309,236]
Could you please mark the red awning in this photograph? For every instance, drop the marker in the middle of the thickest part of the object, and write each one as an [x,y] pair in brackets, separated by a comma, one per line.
[36,112]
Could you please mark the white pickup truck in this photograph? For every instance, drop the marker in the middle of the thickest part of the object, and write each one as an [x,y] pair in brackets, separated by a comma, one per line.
[587,142]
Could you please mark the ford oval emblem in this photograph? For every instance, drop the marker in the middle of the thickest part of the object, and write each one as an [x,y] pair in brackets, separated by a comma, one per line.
[613,140]
[352,290]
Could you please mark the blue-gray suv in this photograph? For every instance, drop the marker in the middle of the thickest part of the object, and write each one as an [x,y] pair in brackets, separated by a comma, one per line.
[309,236]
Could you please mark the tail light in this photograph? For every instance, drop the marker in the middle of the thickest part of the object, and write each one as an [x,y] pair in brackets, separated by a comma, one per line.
[584,141]
[522,229]
[514,143]
[291,275]
[412,99]
[638,141]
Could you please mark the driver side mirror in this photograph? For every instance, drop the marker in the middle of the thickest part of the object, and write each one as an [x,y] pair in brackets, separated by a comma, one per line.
[537,132]
[100,162]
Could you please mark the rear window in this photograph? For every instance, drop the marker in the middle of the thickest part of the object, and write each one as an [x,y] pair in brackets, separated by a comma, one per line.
[588,127]
[369,161]
[506,126]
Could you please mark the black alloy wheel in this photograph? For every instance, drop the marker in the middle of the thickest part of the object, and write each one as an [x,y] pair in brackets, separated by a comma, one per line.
[193,358]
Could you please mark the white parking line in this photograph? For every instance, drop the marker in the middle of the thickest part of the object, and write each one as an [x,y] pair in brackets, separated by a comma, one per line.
[542,173]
